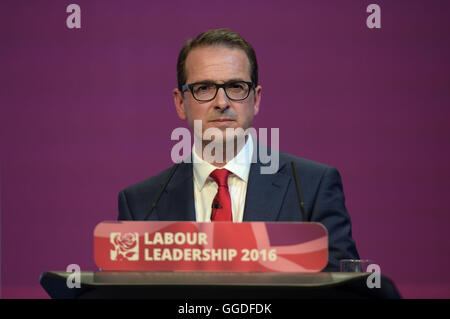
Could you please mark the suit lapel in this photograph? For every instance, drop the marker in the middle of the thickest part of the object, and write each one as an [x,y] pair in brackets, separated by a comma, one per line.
[265,193]
[179,204]
[264,198]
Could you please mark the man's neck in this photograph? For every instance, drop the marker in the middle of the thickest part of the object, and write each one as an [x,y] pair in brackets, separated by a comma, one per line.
[236,148]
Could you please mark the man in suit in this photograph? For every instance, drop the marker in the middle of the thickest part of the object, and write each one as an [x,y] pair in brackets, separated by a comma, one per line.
[218,87]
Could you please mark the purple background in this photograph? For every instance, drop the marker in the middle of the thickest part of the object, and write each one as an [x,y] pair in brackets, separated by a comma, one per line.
[85,113]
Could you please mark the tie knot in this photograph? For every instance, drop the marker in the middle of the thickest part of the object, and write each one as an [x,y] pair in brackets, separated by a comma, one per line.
[220,176]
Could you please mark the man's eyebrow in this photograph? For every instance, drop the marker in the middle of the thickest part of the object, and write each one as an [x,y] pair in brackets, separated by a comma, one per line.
[227,81]
[235,80]
[203,82]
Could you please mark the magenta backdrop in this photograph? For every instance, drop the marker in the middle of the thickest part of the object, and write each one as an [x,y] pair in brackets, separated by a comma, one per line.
[85,113]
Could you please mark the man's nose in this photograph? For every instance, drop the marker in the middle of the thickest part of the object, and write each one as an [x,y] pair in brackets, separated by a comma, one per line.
[221,101]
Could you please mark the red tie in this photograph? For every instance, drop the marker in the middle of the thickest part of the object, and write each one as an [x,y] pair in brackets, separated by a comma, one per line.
[221,205]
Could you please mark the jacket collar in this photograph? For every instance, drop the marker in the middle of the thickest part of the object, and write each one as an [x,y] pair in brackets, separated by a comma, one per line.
[265,192]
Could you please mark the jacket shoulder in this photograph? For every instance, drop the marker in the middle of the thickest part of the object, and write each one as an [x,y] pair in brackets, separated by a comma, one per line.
[149,185]
[304,165]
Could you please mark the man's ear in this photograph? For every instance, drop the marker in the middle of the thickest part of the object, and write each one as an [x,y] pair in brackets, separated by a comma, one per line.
[179,104]
[257,99]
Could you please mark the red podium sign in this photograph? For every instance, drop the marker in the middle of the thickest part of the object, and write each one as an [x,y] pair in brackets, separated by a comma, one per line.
[216,246]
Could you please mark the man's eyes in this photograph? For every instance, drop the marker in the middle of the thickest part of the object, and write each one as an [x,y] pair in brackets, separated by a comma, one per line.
[236,85]
[207,87]
[203,88]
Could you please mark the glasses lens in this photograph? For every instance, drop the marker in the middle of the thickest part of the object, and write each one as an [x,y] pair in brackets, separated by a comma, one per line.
[237,90]
[204,91]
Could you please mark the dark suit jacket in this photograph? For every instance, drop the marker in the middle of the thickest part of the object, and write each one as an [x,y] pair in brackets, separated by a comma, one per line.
[270,197]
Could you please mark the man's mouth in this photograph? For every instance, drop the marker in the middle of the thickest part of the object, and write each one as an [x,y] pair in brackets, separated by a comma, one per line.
[222,120]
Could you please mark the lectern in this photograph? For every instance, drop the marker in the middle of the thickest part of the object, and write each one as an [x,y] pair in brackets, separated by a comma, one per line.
[221,260]
[205,285]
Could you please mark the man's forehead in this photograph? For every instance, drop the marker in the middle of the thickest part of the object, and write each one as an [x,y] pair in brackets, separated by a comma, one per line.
[217,63]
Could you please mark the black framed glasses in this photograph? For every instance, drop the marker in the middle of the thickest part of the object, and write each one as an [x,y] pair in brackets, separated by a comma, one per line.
[207,91]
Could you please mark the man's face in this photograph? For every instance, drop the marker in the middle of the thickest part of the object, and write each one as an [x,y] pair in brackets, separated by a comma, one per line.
[217,64]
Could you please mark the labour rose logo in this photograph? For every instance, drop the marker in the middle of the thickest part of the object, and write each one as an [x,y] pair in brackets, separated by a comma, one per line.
[126,246]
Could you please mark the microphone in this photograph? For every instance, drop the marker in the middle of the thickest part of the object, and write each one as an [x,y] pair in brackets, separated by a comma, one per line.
[299,193]
[155,202]
[214,206]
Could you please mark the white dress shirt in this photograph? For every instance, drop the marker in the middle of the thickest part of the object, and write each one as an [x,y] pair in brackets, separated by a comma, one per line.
[205,188]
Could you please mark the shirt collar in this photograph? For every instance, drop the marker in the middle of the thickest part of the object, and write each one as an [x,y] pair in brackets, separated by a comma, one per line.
[239,165]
